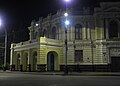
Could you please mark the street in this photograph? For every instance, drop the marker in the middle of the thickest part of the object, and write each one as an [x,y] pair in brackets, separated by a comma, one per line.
[19,79]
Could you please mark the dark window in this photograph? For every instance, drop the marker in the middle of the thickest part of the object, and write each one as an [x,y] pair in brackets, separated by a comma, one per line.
[78,32]
[113,29]
[35,35]
[78,56]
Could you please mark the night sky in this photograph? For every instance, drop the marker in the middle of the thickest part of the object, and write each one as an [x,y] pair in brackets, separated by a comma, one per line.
[18,14]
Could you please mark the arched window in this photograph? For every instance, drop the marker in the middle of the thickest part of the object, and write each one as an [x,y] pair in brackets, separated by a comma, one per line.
[78,32]
[35,35]
[54,33]
[113,29]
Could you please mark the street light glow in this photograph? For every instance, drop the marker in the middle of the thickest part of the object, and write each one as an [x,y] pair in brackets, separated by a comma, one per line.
[5,56]
[67,22]
[36,24]
[0,22]
[66,14]
[67,0]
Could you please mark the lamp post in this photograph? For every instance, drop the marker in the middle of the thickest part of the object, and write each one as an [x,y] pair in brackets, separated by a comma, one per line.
[66,26]
[5,48]
[5,56]
[66,47]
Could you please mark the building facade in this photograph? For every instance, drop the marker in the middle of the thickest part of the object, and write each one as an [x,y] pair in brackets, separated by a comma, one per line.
[93,41]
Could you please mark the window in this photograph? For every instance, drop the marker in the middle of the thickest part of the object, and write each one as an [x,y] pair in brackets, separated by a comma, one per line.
[78,32]
[113,29]
[53,34]
[78,56]
[35,35]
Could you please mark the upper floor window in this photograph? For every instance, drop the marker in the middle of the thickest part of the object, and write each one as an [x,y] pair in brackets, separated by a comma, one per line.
[54,33]
[35,35]
[78,32]
[113,29]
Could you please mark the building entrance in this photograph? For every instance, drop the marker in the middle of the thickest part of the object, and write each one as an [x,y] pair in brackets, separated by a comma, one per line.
[51,61]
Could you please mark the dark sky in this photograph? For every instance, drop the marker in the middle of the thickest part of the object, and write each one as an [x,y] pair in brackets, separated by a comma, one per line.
[18,14]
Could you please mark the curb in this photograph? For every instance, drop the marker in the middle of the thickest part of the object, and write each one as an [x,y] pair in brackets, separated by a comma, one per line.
[69,74]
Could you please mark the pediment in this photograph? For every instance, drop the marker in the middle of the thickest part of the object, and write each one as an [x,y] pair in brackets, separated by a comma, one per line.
[112,9]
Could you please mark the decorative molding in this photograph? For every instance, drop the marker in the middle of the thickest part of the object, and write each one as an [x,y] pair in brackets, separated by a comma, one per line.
[115,51]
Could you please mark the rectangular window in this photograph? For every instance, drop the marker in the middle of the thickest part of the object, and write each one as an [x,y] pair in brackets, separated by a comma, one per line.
[78,33]
[78,56]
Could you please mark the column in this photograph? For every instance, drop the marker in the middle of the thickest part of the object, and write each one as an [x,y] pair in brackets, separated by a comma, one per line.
[12,56]
[106,29]
[21,63]
[28,56]
[21,56]
[12,64]
[88,33]
[29,62]
[84,33]
[102,29]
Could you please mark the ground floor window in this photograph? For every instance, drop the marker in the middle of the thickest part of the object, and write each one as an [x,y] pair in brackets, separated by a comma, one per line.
[78,56]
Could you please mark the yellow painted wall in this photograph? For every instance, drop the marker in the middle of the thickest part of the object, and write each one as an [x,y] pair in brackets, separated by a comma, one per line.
[47,47]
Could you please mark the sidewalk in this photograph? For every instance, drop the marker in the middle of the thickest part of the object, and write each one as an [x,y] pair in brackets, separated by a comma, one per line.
[70,73]
[82,73]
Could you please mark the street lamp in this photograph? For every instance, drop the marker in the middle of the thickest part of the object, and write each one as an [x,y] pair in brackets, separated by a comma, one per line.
[37,24]
[67,23]
[5,45]
[66,26]
[66,47]
[0,22]
[66,14]
[66,0]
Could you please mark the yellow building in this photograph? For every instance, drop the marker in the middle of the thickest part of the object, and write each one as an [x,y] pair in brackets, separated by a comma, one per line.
[92,42]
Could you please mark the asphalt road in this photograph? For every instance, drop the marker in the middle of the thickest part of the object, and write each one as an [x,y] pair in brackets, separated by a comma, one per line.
[11,79]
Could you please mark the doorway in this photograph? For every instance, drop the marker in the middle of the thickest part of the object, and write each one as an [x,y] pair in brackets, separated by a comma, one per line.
[51,61]
[34,61]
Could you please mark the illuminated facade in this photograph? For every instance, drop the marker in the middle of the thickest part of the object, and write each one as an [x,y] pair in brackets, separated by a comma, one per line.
[93,42]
